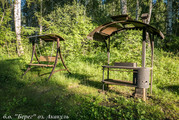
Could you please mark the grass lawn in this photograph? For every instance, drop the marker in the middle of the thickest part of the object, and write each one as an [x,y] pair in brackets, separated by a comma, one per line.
[79,95]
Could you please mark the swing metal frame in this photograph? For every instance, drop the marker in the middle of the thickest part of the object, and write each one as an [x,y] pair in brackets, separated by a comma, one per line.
[47,38]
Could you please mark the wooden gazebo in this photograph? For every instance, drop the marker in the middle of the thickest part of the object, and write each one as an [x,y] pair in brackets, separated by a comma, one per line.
[47,38]
[141,74]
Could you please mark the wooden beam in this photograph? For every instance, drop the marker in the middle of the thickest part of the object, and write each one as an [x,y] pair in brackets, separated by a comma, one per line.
[119,82]
[125,64]
[47,58]
[144,57]
[41,65]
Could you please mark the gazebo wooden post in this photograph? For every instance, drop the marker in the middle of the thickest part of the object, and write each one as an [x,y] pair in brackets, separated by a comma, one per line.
[152,59]
[103,79]
[142,91]
[108,51]
[144,47]
[144,57]
[108,61]
[108,54]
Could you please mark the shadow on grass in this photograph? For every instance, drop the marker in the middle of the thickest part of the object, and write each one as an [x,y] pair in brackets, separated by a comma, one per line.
[40,70]
[31,95]
[172,88]
[85,80]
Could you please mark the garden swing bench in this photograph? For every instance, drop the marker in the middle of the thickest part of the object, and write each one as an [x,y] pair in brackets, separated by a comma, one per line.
[47,38]
[141,74]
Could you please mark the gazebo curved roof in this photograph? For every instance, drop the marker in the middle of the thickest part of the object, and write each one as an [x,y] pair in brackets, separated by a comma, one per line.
[121,23]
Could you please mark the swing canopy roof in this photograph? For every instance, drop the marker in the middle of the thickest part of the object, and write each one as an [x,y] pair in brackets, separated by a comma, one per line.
[121,23]
[48,37]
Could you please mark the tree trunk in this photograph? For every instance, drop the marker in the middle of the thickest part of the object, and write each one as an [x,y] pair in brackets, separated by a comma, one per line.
[169,17]
[150,12]
[3,9]
[2,18]
[137,9]
[123,6]
[41,16]
[40,23]
[17,21]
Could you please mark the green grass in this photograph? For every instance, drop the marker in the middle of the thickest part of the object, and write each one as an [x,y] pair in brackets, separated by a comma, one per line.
[79,95]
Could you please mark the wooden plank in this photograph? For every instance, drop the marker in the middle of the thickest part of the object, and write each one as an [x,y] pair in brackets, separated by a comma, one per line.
[125,64]
[120,67]
[109,30]
[47,58]
[144,48]
[119,82]
[123,67]
[124,71]
[41,65]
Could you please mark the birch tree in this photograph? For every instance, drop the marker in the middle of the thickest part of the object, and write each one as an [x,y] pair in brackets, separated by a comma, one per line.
[169,17]
[137,9]
[150,12]
[3,9]
[123,6]
[17,21]
[41,16]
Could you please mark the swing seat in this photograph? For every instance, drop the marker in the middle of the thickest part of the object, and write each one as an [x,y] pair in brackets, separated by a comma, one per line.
[44,59]
[47,58]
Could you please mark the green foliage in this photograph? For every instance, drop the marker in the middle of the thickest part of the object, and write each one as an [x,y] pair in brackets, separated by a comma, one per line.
[127,46]
[7,36]
[69,22]
[79,95]
[172,44]
[158,17]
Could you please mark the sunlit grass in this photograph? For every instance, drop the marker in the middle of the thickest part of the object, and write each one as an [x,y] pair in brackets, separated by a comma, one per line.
[79,95]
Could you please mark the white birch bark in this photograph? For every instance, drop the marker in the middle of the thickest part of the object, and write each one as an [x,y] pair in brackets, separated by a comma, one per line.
[137,9]
[40,22]
[123,6]
[17,21]
[169,16]
[41,16]
[2,18]
[150,11]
